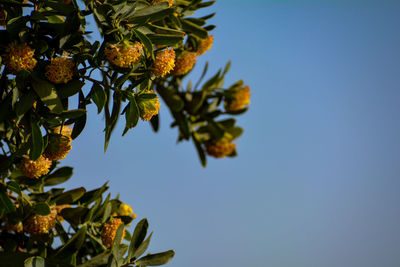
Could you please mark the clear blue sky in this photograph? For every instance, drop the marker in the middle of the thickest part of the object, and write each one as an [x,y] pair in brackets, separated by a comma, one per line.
[316,182]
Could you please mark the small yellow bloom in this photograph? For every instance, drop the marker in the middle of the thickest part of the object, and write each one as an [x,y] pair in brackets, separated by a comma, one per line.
[123,55]
[41,224]
[239,99]
[164,63]
[19,57]
[220,149]
[184,63]
[205,45]
[126,210]
[148,107]
[60,70]
[66,131]
[110,230]
[35,169]
[170,2]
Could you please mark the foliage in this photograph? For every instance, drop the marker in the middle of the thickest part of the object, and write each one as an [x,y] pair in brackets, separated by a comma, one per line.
[147,48]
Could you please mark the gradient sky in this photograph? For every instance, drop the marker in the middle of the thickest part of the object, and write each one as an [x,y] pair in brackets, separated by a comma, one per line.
[316,182]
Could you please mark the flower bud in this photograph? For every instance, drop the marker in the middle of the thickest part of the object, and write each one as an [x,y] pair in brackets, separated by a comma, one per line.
[238,99]
[148,105]
[220,149]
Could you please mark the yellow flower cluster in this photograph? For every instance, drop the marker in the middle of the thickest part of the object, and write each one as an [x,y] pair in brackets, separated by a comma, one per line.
[184,63]
[35,169]
[220,149]
[240,99]
[164,62]
[19,57]
[170,2]
[60,70]
[41,224]
[126,210]
[205,45]
[110,230]
[123,55]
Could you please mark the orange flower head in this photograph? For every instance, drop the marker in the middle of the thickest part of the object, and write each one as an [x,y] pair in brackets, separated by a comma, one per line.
[110,230]
[66,131]
[205,45]
[123,55]
[164,62]
[60,70]
[41,224]
[220,149]
[170,2]
[58,147]
[35,169]
[19,57]
[239,99]
[184,63]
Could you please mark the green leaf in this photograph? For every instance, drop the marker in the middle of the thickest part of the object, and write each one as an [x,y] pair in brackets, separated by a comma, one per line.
[59,176]
[131,115]
[6,203]
[98,96]
[47,94]
[76,215]
[156,259]
[150,14]
[70,196]
[173,101]
[117,239]
[137,238]
[146,41]
[75,243]
[36,141]
[191,27]
[41,208]
[25,103]
[107,212]
[142,248]
[81,122]
[155,122]
[72,114]
[164,39]
[70,88]
[34,262]
[200,151]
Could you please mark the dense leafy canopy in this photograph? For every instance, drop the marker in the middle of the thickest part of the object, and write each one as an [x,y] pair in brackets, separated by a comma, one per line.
[48,59]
